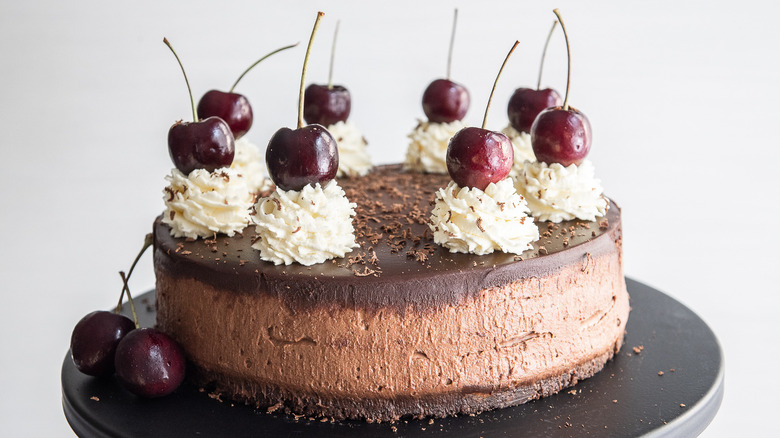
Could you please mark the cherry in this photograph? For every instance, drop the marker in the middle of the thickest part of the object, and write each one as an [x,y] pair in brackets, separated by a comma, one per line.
[445,101]
[232,107]
[561,134]
[206,144]
[94,340]
[306,155]
[149,363]
[477,157]
[327,104]
[526,103]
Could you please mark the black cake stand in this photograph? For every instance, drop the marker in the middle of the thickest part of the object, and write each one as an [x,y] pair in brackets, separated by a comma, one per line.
[666,381]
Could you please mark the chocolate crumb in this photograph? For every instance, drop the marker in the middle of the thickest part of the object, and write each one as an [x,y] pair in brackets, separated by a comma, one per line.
[94,397]
[542,250]
[660,373]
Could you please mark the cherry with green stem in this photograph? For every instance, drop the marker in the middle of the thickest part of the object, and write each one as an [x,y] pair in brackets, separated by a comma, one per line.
[445,101]
[327,104]
[233,108]
[96,336]
[562,134]
[477,157]
[306,155]
[526,103]
[202,144]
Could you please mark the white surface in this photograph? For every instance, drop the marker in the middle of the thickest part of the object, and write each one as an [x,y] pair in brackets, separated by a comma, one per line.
[682,98]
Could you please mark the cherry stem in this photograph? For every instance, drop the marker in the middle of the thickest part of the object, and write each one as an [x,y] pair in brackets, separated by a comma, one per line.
[544,54]
[333,55]
[125,289]
[189,90]
[258,62]
[452,43]
[568,56]
[320,14]
[487,108]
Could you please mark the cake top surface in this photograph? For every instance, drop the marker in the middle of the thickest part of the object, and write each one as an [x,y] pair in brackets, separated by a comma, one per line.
[397,263]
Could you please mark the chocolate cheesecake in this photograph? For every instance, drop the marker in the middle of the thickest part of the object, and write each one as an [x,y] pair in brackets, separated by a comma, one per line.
[401,326]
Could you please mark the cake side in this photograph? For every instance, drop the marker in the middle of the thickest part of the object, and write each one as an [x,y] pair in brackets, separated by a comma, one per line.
[529,338]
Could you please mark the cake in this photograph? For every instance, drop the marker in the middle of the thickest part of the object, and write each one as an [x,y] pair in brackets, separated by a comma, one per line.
[400,326]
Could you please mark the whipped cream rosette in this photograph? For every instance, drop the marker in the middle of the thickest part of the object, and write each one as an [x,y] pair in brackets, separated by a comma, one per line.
[249,163]
[203,203]
[521,143]
[427,149]
[555,193]
[470,220]
[353,156]
[307,226]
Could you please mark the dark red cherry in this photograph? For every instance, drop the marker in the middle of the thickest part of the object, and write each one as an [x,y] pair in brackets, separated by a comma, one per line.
[526,103]
[94,340]
[445,101]
[149,363]
[561,136]
[233,108]
[207,144]
[325,105]
[306,155]
[477,157]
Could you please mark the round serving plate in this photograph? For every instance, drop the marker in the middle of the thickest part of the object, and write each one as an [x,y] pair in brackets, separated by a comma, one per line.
[666,381]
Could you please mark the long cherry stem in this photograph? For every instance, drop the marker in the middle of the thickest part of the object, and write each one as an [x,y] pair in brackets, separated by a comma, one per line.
[484,119]
[544,55]
[189,90]
[126,289]
[258,62]
[452,43]
[568,56]
[320,14]
[333,54]
[148,240]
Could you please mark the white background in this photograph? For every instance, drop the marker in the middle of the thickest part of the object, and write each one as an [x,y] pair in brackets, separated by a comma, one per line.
[682,97]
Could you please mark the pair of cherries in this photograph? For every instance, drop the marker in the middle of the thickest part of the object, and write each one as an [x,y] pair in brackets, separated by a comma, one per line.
[559,134]
[295,158]
[147,362]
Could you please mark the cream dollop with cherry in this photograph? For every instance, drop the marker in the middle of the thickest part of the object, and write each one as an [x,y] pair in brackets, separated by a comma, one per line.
[479,211]
[308,218]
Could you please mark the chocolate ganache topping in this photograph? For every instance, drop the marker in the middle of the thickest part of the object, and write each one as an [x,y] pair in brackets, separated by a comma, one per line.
[397,265]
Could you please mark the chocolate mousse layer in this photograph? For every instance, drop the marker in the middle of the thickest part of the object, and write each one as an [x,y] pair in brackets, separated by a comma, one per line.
[397,264]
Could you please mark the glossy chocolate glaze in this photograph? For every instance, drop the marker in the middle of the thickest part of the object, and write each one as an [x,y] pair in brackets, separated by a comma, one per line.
[397,265]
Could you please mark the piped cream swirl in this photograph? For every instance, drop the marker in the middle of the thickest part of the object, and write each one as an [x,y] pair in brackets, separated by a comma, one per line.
[203,203]
[469,220]
[353,156]
[556,193]
[249,163]
[521,143]
[427,151]
[307,226]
